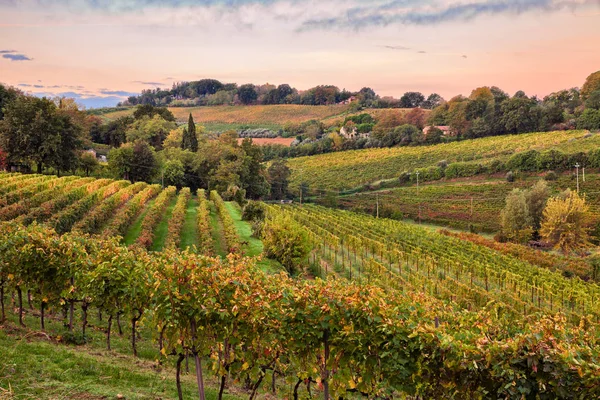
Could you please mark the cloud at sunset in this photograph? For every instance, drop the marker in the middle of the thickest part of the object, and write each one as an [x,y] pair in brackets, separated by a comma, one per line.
[393,46]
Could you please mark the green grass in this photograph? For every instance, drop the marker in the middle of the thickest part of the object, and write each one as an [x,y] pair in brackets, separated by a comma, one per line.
[136,228]
[189,231]
[162,230]
[217,232]
[36,365]
[255,246]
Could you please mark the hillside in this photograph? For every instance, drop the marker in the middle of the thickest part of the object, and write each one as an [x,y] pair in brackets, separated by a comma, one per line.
[260,116]
[350,169]
[462,203]
[141,214]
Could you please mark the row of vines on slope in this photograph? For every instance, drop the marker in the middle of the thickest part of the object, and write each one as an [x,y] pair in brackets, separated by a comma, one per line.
[131,210]
[345,336]
[229,231]
[154,215]
[205,245]
[177,218]
[448,268]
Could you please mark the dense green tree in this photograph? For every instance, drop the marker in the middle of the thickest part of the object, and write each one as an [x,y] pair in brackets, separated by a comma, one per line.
[150,111]
[593,100]
[515,218]
[433,100]
[153,130]
[189,140]
[286,241]
[247,93]
[279,175]
[173,174]
[253,177]
[134,161]
[520,114]
[536,199]
[7,95]
[411,100]
[589,119]
[88,162]
[35,131]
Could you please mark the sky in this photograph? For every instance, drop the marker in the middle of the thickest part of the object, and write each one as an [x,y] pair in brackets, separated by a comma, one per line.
[101,51]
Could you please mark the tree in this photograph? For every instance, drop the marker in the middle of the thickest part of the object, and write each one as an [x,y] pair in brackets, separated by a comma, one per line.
[278,176]
[150,111]
[411,100]
[88,162]
[247,94]
[253,177]
[173,173]
[153,130]
[592,83]
[134,161]
[416,117]
[33,130]
[434,100]
[520,114]
[536,198]
[189,140]
[515,218]
[7,95]
[285,241]
[589,119]
[593,100]
[565,221]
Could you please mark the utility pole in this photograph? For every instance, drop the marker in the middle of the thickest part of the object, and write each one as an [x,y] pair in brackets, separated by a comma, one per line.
[577,166]
[377,196]
[417,182]
[417,196]
[162,179]
[583,173]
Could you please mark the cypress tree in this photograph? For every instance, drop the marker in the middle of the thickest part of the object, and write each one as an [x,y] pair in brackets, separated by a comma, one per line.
[190,141]
[185,140]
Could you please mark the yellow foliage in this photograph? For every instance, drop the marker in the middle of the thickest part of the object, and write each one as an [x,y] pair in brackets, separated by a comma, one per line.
[564,222]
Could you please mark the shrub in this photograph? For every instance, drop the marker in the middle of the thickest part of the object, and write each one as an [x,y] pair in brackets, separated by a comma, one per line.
[524,161]
[552,159]
[286,241]
[496,166]
[427,174]
[404,177]
[551,176]
[462,170]
[254,211]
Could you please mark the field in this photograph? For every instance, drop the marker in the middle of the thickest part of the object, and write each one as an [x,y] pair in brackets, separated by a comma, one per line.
[350,169]
[274,117]
[259,115]
[461,203]
[140,213]
[267,141]
[415,306]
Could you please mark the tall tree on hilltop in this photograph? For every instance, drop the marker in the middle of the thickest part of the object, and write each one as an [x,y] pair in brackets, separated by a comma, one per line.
[189,140]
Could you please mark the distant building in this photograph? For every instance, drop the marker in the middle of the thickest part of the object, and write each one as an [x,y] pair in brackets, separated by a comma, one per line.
[444,128]
[353,134]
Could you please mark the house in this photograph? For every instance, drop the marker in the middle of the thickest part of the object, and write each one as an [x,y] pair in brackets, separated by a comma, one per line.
[353,134]
[444,128]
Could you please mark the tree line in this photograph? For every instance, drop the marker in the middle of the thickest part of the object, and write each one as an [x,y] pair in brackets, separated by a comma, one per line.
[211,92]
